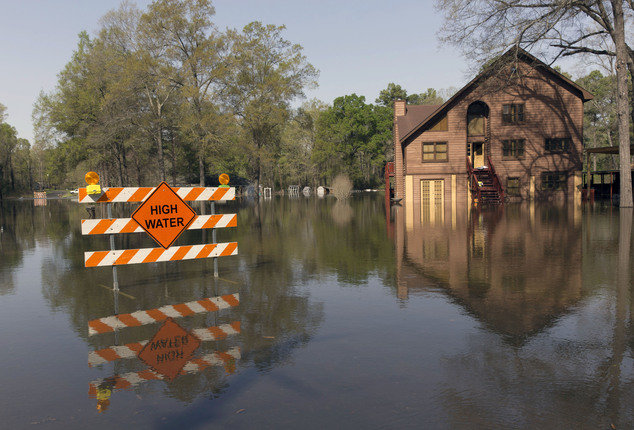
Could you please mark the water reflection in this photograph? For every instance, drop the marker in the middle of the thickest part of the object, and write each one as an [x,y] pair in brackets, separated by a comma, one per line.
[515,272]
[537,282]
[520,317]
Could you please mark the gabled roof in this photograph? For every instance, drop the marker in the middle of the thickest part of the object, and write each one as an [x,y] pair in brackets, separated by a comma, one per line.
[415,115]
[423,115]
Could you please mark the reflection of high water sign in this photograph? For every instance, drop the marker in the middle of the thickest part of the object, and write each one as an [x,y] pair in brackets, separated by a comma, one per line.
[164,215]
[169,349]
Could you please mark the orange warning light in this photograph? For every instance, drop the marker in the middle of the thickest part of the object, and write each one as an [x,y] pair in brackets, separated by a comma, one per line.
[224,179]
[92,178]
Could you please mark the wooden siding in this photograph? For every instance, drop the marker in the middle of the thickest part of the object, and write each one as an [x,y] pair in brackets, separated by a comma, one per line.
[550,110]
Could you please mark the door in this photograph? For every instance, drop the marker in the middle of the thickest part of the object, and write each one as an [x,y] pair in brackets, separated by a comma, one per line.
[478,154]
[432,200]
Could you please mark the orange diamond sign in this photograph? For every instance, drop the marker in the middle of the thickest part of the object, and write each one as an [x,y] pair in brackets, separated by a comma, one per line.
[169,349]
[164,215]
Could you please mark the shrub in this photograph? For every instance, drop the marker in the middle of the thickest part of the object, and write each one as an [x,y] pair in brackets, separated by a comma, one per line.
[342,187]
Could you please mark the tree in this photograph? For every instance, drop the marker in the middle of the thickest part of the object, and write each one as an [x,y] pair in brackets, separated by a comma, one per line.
[195,49]
[396,92]
[353,138]
[599,122]
[484,29]
[429,97]
[392,92]
[267,73]
[294,164]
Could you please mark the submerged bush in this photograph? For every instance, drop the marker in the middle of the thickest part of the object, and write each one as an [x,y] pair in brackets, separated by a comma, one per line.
[342,187]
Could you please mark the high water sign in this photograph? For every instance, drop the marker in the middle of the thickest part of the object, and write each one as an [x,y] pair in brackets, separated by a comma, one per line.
[164,215]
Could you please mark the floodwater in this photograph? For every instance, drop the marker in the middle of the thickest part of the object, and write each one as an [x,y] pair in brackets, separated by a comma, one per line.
[519,317]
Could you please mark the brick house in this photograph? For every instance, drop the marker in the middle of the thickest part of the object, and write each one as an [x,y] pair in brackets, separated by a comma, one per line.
[514,132]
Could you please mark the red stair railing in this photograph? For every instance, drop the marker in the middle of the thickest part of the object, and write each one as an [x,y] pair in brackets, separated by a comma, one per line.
[496,180]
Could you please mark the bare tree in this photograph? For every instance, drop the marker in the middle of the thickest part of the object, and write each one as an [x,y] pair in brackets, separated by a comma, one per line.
[553,28]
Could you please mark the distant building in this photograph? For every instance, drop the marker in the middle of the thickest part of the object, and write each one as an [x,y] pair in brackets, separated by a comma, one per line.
[514,132]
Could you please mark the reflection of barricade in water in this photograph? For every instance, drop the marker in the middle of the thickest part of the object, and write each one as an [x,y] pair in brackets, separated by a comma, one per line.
[131,379]
[131,350]
[112,323]
[101,389]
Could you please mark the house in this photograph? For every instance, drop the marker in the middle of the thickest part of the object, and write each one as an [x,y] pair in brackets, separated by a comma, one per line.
[514,132]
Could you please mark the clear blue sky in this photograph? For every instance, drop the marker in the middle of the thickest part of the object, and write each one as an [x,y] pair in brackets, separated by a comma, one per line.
[358,46]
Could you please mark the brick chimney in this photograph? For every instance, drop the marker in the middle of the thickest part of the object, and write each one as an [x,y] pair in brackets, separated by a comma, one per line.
[400,109]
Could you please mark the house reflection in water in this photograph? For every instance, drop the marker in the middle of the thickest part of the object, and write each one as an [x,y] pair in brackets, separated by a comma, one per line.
[515,267]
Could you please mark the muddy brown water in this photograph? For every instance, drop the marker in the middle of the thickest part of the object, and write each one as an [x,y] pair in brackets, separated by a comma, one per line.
[519,317]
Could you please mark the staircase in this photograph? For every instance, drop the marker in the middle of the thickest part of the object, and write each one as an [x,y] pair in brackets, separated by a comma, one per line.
[484,184]
[489,194]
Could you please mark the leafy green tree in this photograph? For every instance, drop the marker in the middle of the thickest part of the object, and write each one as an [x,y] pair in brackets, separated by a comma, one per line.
[294,164]
[391,93]
[196,50]
[353,138]
[267,72]
[429,97]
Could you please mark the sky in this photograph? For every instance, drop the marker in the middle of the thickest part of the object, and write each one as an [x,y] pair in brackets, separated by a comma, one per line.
[358,46]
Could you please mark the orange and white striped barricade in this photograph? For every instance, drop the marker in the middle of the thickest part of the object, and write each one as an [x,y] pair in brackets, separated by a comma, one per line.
[39,198]
[131,350]
[128,225]
[164,215]
[151,316]
[132,379]
[154,255]
[140,194]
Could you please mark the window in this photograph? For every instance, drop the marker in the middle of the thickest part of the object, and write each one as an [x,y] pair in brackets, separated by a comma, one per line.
[512,113]
[513,148]
[434,151]
[553,180]
[441,125]
[556,145]
[513,186]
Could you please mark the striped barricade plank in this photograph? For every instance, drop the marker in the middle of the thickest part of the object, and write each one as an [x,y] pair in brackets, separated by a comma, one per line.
[138,318]
[128,225]
[139,194]
[131,379]
[131,350]
[153,255]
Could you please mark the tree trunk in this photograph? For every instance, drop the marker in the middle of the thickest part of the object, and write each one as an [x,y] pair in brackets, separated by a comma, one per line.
[159,142]
[201,168]
[622,105]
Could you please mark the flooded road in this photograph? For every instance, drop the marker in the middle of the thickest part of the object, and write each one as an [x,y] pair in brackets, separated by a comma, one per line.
[509,318]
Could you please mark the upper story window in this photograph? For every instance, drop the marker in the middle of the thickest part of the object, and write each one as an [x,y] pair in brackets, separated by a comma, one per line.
[556,145]
[441,125]
[513,113]
[513,148]
[434,151]
[477,115]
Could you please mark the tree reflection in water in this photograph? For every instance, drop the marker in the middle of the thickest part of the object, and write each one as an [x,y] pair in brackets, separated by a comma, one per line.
[282,245]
